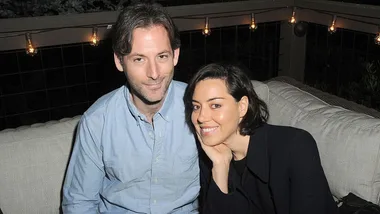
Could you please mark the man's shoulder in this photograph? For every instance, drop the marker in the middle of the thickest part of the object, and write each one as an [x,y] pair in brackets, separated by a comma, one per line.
[179,89]
[178,85]
[106,101]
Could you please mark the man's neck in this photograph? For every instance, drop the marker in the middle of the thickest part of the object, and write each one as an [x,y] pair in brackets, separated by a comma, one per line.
[146,109]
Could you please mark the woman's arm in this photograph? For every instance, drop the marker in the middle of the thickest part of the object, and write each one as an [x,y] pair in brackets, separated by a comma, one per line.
[310,192]
[216,197]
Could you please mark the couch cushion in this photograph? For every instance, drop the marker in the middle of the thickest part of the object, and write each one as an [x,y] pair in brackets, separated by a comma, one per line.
[32,166]
[261,90]
[348,142]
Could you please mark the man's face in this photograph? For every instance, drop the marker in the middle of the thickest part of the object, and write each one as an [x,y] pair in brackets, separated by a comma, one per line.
[150,65]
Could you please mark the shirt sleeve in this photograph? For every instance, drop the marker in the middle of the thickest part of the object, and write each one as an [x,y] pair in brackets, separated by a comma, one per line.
[85,172]
[310,192]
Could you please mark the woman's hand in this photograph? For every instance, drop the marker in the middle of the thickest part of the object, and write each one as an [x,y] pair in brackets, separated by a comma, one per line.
[221,156]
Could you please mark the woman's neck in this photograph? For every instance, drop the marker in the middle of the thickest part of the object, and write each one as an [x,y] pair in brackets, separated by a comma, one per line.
[239,146]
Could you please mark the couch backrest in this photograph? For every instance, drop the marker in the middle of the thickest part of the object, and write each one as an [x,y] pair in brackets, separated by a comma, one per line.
[348,142]
[33,161]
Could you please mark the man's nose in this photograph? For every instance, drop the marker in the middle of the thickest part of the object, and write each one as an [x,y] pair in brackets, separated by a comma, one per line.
[153,71]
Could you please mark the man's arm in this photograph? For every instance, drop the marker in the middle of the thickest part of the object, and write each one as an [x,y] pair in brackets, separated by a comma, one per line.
[85,172]
[310,192]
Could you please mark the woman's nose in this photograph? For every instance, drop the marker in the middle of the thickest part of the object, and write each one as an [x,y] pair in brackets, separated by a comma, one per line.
[203,115]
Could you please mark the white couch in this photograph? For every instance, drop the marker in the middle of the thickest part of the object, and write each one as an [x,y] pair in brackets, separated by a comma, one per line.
[33,158]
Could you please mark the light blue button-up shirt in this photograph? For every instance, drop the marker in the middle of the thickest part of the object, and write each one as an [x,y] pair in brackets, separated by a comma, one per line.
[123,164]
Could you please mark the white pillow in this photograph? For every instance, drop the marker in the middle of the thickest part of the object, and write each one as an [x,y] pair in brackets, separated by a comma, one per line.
[348,142]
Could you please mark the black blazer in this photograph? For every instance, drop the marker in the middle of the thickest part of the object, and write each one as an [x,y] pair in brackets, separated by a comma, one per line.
[283,176]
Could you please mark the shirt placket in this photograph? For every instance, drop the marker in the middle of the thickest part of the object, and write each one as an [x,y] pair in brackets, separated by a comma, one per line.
[156,181]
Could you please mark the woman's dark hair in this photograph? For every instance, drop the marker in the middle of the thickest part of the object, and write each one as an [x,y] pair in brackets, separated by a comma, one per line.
[238,85]
[141,15]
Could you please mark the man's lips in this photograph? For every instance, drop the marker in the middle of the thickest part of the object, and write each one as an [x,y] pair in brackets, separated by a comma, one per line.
[154,86]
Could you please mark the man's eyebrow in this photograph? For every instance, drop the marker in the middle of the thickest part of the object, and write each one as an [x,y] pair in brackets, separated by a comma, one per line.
[136,54]
[165,52]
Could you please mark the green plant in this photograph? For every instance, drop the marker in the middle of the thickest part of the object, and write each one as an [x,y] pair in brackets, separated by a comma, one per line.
[25,8]
[366,91]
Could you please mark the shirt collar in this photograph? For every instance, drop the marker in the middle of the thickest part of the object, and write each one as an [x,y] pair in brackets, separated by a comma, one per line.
[164,110]
[257,155]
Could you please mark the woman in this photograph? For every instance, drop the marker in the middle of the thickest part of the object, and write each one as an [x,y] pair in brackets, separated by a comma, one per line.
[253,167]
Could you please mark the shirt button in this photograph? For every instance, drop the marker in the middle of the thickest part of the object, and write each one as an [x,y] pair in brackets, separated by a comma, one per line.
[154,201]
[151,134]
[155,180]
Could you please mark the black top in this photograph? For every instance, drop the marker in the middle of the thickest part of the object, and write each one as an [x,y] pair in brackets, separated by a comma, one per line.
[283,176]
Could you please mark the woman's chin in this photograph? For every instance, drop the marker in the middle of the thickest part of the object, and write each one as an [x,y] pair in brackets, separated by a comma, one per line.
[209,142]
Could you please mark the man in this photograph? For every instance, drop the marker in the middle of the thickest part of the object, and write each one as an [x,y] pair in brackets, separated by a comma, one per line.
[133,151]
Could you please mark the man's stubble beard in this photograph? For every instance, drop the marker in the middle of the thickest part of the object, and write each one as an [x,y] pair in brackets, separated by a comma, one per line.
[138,91]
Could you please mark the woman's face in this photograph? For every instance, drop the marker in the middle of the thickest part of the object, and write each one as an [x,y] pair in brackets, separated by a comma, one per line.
[216,115]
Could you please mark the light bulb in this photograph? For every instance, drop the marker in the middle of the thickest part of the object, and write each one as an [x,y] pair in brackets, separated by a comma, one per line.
[30,49]
[94,37]
[377,38]
[332,27]
[293,20]
[206,30]
[253,25]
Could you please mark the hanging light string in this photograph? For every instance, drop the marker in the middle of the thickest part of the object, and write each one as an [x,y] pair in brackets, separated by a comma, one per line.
[94,39]
[37,31]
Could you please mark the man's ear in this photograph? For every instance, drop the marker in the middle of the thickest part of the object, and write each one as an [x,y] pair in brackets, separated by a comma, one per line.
[118,62]
[243,106]
[176,56]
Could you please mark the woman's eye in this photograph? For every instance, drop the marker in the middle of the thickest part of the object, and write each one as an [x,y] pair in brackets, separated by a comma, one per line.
[216,106]
[195,107]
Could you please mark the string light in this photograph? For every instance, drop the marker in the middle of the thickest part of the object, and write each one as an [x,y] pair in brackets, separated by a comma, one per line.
[253,25]
[332,27]
[206,30]
[292,19]
[94,37]
[30,49]
[377,38]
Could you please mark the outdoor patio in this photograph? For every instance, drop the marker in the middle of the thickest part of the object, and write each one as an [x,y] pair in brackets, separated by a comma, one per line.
[67,74]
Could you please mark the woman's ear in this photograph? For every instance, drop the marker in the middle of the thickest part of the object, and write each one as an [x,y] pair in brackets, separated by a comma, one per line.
[243,106]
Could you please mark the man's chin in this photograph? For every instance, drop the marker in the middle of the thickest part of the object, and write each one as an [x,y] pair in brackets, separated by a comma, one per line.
[153,100]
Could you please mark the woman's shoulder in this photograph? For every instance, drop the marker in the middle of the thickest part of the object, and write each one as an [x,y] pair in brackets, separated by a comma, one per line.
[281,134]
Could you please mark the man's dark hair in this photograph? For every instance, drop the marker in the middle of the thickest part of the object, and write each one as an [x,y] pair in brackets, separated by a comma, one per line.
[142,15]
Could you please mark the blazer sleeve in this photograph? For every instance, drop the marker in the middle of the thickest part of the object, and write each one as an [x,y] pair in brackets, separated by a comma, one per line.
[214,201]
[310,192]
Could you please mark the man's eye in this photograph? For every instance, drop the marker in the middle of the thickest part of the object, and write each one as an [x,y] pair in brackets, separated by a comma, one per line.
[164,56]
[138,59]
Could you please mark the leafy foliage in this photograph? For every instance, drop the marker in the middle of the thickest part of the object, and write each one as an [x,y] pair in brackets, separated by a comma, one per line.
[25,8]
